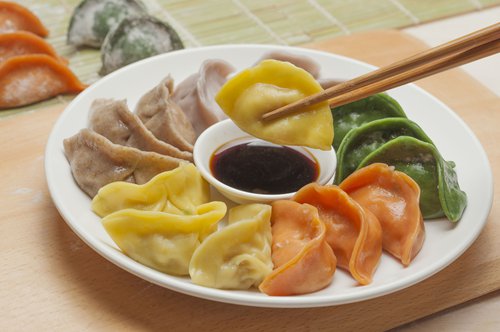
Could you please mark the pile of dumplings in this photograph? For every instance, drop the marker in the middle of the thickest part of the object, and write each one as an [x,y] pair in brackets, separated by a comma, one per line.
[289,247]
[137,168]
[30,68]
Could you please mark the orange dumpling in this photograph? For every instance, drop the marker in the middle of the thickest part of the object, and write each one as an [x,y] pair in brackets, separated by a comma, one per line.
[353,232]
[14,17]
[26,79]
[394,198]
[303,261]
[21,42]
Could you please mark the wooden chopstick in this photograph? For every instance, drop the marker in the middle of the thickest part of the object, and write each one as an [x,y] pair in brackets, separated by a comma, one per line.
[465,49]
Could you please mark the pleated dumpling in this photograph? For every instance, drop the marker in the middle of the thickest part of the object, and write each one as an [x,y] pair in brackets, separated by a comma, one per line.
[393,197]
[26,79]
[196,94]
[112,119]
[161,240]
[354,233]
[180,191]
[92,20]
[270,85]
[15,17]
[239,255]
[95,162]
[301,61]
[440,192]
[164,118]
[360,112]
[303,260]
[22,42]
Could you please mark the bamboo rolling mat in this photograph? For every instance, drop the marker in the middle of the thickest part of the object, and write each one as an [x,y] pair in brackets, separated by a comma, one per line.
[285,22]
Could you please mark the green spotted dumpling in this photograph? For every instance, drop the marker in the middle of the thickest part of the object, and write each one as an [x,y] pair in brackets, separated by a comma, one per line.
[362,141]
[436,177]
[92,20]
[136,38]
[239,255]
[355,114]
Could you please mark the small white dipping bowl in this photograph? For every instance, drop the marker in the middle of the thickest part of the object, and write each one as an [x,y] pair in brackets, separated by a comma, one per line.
[225,132]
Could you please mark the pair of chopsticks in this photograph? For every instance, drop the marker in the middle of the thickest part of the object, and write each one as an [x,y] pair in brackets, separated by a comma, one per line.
[471,47]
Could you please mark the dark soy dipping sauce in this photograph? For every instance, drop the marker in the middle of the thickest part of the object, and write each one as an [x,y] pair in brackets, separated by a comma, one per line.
[263,169]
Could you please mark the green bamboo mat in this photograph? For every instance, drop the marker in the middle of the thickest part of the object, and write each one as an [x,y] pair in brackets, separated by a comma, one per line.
[285,22]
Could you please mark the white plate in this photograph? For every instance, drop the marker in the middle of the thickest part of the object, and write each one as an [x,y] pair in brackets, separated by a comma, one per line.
[444,243]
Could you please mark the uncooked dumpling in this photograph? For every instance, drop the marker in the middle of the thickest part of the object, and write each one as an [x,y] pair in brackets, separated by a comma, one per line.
[136,38]
[196,94]
[15,17]
[112,119]
[26,79]
[95,162]
[164,118]
[239,255]
[22,43]
[270,85]
[92,20]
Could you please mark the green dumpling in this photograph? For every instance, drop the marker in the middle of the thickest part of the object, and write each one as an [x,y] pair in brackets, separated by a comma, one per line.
[137,38]
[355,114]
[362,141]
[92,20]
[440,192]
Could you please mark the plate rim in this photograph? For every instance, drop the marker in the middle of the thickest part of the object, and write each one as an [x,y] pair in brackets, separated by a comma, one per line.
[127,263]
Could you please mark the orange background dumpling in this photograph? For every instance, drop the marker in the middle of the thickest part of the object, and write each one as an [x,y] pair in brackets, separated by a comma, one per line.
[352,231]
[26,79]
[303,260]
[394,198]
[15,17]
[22,42]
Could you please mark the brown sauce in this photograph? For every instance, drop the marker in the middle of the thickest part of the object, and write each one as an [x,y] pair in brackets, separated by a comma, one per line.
[263,169]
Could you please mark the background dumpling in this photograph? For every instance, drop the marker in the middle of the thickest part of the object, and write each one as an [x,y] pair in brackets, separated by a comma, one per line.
[160,240]
[239,255]
[303,260]
[196,94]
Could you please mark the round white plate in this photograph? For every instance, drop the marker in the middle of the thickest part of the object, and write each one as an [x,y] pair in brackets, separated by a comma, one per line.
[445,241]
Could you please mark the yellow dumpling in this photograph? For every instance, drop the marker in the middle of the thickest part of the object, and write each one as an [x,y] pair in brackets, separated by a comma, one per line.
[178,191]
[268,86]
[239,255]
[163,241]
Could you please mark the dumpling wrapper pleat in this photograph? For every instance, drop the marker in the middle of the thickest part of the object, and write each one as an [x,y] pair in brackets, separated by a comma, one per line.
[394,198]
[353,232]
[164,118]
[112,119]
[237,256]
[95,162]
[303,260]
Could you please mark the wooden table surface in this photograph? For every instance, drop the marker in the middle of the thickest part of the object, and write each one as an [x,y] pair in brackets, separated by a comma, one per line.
[52,281]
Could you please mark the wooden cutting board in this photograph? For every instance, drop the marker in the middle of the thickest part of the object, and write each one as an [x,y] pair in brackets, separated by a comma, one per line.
[51,280]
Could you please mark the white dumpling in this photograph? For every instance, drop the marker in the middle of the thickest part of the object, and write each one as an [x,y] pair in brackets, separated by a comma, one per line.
[196,94]
[160,240]
[239,255]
